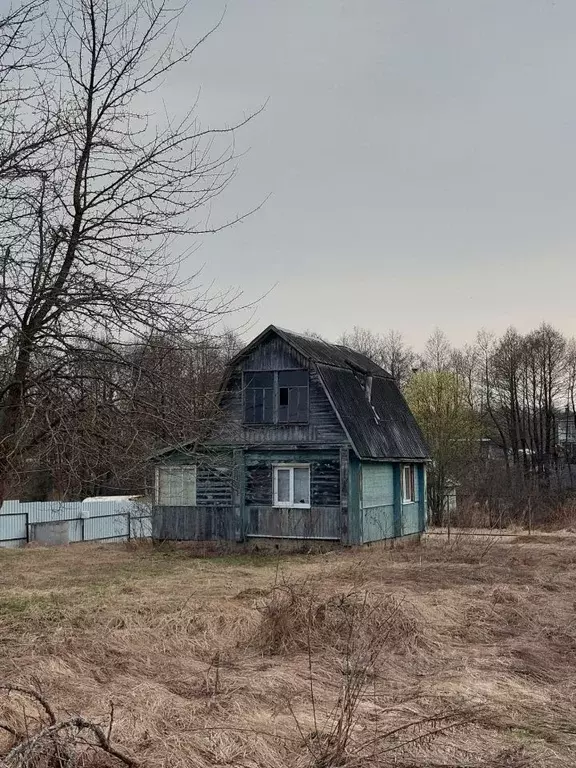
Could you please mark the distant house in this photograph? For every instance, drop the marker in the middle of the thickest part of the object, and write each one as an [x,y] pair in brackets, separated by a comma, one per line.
[315,441]
[566,434]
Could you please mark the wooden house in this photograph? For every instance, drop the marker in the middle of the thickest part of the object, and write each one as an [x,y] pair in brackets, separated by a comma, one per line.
[314,441]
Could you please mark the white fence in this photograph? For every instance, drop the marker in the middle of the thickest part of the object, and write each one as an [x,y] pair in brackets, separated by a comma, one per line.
[86,521]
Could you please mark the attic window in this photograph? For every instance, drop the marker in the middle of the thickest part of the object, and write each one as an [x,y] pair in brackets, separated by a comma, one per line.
[259,398]
[292,396]
[276,397]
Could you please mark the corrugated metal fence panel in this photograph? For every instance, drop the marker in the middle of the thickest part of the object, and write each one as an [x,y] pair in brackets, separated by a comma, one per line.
[88,521]
[106,528]
[12,529]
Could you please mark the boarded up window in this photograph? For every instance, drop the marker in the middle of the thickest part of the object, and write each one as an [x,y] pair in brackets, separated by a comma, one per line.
[176,486]
[292,396]
[259,398]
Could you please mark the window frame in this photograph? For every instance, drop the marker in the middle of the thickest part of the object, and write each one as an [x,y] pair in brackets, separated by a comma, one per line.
[276,421]
[412,490]
[173,468]
[289,387]
[289,466]
[245,388]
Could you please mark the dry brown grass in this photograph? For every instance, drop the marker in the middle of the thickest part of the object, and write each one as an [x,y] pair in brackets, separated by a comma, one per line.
[469,649]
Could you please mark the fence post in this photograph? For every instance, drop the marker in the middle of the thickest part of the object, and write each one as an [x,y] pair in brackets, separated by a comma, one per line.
[27,529]
[129,518]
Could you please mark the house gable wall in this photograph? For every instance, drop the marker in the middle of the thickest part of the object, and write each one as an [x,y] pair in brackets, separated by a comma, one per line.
[274,354]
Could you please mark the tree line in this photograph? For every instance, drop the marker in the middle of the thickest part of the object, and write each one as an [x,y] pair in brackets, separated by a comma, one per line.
[496,414]
[105,351]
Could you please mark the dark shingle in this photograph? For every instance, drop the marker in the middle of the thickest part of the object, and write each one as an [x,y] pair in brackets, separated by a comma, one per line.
[381,429]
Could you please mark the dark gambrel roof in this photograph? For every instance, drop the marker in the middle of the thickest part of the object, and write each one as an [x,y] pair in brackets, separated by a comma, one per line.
[321,351]
[380,428]
[383,428]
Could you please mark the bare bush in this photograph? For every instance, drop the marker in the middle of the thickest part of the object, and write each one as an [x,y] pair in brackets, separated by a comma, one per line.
[46,742]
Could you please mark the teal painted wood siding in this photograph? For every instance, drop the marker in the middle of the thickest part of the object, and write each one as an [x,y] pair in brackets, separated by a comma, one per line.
[413,512]
[354,509]
[410,511]
[382,512]
[377,501]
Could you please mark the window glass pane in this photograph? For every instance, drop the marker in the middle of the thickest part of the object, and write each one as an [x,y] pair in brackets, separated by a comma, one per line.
[293,404]
[188,487]
[408,482]
[293,379]
[301,485]
[177,486]
[302,414]
[283,485]
[249,410]
[259,397]
[283,396]
[259,379]
[268,409]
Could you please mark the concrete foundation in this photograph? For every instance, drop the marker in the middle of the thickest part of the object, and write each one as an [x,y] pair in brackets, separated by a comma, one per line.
[50,534]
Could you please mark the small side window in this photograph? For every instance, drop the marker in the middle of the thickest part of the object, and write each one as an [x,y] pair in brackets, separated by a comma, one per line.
[408,486]
[293,397]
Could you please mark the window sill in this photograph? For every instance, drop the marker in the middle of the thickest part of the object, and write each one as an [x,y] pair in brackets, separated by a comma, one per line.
[291,506]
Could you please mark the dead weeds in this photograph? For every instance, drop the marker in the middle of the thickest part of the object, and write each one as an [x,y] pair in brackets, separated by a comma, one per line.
[439,655]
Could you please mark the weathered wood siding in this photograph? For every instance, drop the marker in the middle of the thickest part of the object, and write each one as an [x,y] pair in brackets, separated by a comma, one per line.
[213,485]
[274,355]
[314,523]
[321,521]
[214,523]
[214,475]
[324,476]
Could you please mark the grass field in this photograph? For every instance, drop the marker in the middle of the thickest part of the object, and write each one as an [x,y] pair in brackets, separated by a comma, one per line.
[460,654]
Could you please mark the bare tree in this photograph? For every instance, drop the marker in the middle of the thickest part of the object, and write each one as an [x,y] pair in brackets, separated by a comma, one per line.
[90,216]
[387,349]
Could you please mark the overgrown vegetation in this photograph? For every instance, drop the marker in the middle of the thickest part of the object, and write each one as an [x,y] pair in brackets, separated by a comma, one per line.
[500,418]
[456,654]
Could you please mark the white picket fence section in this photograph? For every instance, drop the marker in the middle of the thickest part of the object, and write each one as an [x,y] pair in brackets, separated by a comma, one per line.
[87,521]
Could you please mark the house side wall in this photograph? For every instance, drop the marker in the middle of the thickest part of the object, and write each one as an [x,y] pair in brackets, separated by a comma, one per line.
[383,512]
[274,354]
[377,501]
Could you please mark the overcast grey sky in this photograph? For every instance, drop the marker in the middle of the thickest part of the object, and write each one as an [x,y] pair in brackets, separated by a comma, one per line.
[420,158]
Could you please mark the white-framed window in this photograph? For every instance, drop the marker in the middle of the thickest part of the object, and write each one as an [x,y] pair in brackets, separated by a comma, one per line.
[176,486]
[292,485]
[408,485]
